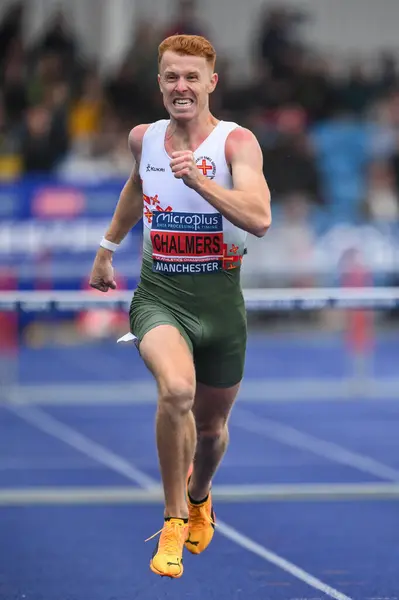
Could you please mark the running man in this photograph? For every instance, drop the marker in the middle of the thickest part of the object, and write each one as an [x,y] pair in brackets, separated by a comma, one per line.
[198,184]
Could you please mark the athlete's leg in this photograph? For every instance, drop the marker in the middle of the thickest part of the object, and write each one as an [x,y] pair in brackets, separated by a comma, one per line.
[167,355]
[212,407]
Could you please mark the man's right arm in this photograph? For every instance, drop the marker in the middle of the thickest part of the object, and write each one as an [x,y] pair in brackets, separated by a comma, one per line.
[127,213]
[129,209]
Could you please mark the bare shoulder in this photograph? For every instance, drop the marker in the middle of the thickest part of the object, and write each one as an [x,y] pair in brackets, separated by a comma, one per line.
[240,141]
[136,139]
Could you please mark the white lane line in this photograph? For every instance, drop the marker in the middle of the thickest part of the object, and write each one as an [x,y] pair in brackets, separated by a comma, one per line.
[278,561]
[57,429]
[290,436]
[259,390]
[43,421]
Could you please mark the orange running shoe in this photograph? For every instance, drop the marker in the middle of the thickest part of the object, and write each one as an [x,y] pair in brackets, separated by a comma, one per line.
[201,523]
[167,559]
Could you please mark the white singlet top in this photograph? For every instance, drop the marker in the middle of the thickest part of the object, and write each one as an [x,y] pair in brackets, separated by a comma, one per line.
[183,233]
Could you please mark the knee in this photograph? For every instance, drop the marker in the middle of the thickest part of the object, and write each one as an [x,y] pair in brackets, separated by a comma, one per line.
[212,430]
[176,397]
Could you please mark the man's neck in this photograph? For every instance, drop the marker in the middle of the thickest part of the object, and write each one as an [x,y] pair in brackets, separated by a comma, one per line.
[189,135]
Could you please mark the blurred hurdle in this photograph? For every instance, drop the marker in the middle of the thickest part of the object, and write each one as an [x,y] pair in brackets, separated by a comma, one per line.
[357,379]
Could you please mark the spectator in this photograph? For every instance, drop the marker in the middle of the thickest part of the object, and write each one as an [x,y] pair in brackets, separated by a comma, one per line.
[382,201]
[123,93]
[41,147]
[185,20]
[86,110]
[58,38]
[277,39]
[15,91]
[313,88]
[289,163]
[358,91]
[10,29]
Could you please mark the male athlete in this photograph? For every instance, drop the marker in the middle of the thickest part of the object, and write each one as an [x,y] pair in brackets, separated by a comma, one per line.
[201,185]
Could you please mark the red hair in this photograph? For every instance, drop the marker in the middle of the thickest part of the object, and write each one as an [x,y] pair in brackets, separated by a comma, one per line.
[189,45]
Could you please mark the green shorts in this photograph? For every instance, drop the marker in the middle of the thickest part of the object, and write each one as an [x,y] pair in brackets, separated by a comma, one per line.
[209,312]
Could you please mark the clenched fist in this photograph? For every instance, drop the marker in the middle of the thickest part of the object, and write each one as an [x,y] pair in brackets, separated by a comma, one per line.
[183,167]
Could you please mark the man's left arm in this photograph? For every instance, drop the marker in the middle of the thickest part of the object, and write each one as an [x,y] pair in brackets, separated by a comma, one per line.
[247,205]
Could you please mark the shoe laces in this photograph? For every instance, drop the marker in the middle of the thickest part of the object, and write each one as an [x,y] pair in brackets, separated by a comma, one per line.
[170,539]
[199,516]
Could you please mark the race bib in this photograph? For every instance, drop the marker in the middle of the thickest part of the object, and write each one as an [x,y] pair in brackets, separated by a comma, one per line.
[187,243]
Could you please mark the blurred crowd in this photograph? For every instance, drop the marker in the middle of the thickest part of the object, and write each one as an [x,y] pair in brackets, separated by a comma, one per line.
[328,131]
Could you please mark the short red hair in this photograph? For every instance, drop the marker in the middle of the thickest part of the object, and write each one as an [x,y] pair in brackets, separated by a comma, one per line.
[189,45]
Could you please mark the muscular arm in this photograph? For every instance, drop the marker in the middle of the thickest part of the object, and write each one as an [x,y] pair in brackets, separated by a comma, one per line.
[247,205]
[127,213]
[129,209]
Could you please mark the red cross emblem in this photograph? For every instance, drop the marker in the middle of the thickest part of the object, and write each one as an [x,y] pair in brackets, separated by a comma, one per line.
[204,167]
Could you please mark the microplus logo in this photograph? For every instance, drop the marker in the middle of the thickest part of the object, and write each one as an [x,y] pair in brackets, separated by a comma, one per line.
[156,169]
[177,221]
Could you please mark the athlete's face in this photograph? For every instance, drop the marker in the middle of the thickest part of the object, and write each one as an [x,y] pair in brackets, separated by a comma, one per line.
[185,82]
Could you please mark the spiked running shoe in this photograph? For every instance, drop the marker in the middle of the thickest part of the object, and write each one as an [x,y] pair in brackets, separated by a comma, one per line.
[167,558]
[201,522]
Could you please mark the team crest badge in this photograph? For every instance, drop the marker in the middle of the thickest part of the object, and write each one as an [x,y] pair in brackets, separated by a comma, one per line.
[207,166]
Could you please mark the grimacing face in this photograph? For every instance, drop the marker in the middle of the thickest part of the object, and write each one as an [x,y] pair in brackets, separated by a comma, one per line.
[185,83]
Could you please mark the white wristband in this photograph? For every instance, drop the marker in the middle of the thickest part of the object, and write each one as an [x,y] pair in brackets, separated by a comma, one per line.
[109,245]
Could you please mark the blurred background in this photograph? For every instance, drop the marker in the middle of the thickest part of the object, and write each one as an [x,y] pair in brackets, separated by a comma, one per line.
[317,83]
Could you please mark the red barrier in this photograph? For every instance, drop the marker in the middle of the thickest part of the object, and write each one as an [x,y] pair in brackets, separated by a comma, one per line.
[8,320]
[360,323]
